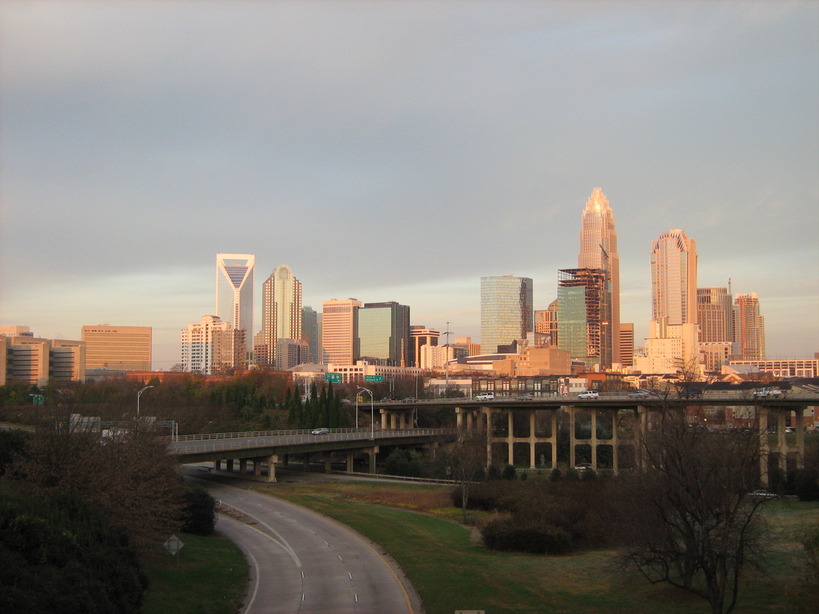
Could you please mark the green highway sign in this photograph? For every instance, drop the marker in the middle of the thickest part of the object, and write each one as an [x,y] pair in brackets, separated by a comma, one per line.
[373,378]
[333,378]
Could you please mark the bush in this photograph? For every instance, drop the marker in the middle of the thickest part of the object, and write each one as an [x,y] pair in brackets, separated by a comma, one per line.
[509,472]
[199,515]
[404,462]
[555,475]
[806,484]
[509,535]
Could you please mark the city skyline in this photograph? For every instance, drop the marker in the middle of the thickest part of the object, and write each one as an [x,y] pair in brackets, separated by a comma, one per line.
[400,154]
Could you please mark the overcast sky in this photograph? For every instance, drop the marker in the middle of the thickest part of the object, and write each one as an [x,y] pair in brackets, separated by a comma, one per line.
[400,151]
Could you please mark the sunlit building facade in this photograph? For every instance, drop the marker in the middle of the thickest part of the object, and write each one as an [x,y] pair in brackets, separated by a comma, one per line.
[674,278]
[212,347]
[126,348]
[384,334]
[339,334]
[598,250]
[281,311]
[421,336]
[715,315]
[507,311]
[583,320]
[234,290]
[749,325]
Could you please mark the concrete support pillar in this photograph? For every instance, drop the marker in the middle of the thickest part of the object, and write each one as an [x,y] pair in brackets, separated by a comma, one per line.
[328,463]
[800,438]
[762,431]
[350,462]
[243,466]
[532,441]
[554,438]
[594,438]
[372,452]
[470,416]
[510,437]
[488,413]
[271,467]
[615,465]
[383,413]
[229,464]
[459,419]
[217,465]
[257,467]
[572,439]
[781,442]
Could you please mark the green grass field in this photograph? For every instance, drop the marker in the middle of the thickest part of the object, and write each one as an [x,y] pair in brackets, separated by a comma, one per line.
[210,577]
[452,571]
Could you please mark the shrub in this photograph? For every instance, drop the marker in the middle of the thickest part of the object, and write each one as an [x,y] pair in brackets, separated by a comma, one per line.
[806,484]
[510,535]
[555,475]
[199,515]
[509,472]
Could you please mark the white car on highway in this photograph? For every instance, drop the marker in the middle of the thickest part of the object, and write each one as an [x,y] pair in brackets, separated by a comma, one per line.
[588,394]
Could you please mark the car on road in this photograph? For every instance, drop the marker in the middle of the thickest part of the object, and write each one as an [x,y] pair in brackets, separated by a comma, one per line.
[762,494]
[408,400]
[525,397]
[767,393]
[588,394]
[639,394]
[321,431]
[485,396]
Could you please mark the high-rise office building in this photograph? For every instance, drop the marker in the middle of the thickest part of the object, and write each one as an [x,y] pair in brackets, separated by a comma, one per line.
[234,290]
[674,278]
[310,330]
[338,331]
[419,337]
[212,347]
[582,305]
[715,315]
[750,327]
[506,311]
[384,334]
[126,348]
[598,250]
[281,311]
[627,344]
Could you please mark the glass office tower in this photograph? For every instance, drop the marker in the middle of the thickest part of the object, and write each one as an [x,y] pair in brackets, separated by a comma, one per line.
[384,334]
[507,311]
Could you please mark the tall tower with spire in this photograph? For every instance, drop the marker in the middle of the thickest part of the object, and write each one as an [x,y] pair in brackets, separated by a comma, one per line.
[598,250]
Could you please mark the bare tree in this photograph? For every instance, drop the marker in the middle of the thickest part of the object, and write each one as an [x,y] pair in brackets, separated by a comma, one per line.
[691,520]
[130,476]
[465,460]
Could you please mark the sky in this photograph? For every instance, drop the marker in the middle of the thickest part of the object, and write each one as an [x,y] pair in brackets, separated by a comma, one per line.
[400,151]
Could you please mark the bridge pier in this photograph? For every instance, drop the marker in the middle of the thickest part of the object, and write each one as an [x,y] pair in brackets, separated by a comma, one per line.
[350,462]
[372,452]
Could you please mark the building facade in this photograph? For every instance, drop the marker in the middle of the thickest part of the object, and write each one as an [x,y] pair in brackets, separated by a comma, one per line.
[212,347]
[507,311]
[234,291]
[715,315]
[311,333]
[281,311]
[384,334]
[674,278]
[31,360]
[339,334]
[749,325]
[583,320]
[126,348]
[421,336]
[598,250]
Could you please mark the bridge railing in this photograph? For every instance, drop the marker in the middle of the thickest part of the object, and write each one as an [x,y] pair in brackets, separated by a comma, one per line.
[306,436]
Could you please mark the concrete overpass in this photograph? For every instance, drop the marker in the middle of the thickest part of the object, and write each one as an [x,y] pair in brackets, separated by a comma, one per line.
[252,451]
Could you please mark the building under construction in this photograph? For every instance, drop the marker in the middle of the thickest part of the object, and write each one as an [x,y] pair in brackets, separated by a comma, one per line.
[584,315]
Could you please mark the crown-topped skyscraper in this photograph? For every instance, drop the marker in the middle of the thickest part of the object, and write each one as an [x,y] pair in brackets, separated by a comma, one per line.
[598,250]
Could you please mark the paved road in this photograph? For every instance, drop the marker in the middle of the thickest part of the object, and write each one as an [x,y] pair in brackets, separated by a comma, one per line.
[303,562]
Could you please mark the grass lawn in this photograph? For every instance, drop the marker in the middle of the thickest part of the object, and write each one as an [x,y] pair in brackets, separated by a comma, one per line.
[452,571]
[209,578]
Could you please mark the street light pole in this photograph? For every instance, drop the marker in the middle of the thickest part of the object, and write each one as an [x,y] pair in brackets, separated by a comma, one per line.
[139,394]
[372,411]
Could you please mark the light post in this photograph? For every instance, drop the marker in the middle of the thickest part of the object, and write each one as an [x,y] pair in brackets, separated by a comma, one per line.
[372,411]
[139,394]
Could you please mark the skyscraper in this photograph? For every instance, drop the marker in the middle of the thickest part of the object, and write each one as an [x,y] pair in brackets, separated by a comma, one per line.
[281,310]
[674,278]
[212,346]
[310,332]
[419,337]
[338,331]
[598,250]
[234,290]
[715,315]
[750,327]
[383,333]
[126,348]
[506,311]
[582,305]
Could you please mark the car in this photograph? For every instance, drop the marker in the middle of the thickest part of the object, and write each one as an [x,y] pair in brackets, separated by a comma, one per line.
[767,393]
[639,394]
[408,400]
[321,431]
[588,394]
[485,396]
[762,494]
[525,397]
[582,467]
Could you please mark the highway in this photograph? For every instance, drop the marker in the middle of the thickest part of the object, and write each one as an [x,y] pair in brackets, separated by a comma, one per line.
[303,562]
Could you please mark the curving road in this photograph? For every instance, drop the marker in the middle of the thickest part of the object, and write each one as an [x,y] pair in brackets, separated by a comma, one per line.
[303,562]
